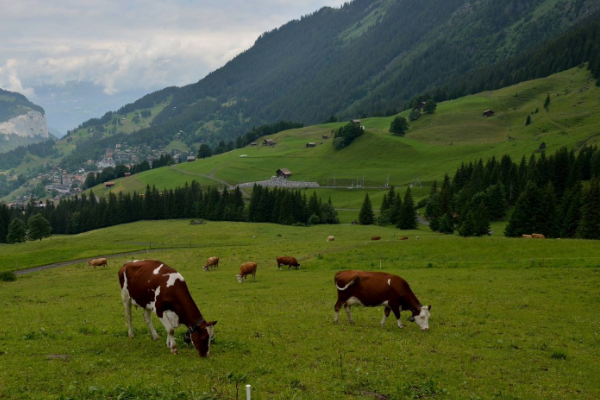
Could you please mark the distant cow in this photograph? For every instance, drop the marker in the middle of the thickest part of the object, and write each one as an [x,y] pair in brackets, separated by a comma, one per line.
[373,289]
[376,238]
[156,287]
[527,237]
[246,269]
[538,236]
[403,238]
[98,262]
[289,261]
[211,263]
[330,238]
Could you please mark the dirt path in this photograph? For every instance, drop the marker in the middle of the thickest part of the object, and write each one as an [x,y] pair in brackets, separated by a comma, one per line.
[81,260]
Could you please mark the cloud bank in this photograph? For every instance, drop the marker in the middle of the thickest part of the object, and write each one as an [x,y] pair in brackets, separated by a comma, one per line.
[132,44]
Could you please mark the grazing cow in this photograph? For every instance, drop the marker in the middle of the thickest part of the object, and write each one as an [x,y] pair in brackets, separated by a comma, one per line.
[527,237]
[156,287]
[98,262]
[289,261]
[538,236]
[330,238]
[246,269]
[373,289]
[211,262]
[376,238]
[403,238]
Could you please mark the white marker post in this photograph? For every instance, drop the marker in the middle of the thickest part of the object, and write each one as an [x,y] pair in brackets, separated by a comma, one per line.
[248,394]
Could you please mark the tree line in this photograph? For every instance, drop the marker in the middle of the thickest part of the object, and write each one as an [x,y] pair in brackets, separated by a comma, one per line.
[557,195]
[85,213]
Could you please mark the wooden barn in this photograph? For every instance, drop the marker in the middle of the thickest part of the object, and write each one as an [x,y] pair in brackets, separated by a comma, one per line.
[488,113]
[283,173]
[269,142]
[109,185]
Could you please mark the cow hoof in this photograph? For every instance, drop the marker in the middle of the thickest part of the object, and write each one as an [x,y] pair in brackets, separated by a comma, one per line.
[401,326]
[131,335]
[174,351]
[155,338]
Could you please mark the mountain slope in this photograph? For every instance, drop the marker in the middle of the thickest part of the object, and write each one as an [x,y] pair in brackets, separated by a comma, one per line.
[435,145]
[21,121]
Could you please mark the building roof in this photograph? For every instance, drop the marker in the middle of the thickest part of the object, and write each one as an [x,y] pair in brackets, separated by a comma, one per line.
[191,158]
[356,121]
[284,171]
[269,141]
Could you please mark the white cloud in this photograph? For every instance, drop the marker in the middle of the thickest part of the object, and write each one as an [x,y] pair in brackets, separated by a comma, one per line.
[136,44]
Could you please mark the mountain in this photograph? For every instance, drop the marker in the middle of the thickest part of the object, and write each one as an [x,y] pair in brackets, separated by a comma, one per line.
[367,58]
[21,121]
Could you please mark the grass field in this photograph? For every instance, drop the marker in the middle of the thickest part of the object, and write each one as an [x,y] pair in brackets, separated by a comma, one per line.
[511,319]
[435,145]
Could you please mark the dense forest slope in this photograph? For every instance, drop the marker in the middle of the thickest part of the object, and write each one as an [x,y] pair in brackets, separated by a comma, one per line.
[434,145]
[21,121]
[367,58]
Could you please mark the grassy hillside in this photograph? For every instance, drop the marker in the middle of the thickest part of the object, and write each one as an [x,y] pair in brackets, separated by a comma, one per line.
[502,318]
[435,144]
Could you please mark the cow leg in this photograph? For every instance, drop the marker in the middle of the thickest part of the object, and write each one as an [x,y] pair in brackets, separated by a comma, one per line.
[396,310]
[386,314]
[127,307]
[349,312]
[337,307]
[148,318]
[170,320]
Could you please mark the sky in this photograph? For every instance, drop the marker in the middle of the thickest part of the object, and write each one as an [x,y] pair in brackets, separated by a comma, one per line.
[131,45]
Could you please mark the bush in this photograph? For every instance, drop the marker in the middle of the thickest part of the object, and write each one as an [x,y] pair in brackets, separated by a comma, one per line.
[314,220]
[8,276]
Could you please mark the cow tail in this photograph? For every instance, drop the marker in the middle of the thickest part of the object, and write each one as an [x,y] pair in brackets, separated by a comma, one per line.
[352,282]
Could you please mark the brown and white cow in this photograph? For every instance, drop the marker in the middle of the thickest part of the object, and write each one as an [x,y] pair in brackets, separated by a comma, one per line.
[373,289]
[376,238]
[246,269]
[98,262]
[289,261]
[403,238]
[211,262]
[330,238]
[156,287]
[538,236]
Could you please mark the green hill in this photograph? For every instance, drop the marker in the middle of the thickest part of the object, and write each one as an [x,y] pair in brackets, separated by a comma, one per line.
[435,144]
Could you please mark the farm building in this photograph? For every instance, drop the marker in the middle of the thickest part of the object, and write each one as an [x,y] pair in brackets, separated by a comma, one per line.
[488,113]
[311,144]
[269,142]
[421,105]
[284,173]
[127,174]
[356,121]
[191,159]
[253,144]
[109,185]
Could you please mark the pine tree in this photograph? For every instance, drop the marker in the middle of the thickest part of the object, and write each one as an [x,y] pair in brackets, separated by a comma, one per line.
[571,206]
[17,231]
[39,227]
[528,120]
[496,201]
[366,216]
[482,221]
[446,224]
[396,210]
[526,217]
[434,189]
[547,102]
[469,225]
[589,227]
[408,218]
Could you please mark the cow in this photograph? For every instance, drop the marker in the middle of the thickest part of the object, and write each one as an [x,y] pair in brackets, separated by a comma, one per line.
[289,261]
[156,287]
[211,262]
[330,238]
[538,236]
[246,269]
[98,262]
[376,238]
[373,289]
[527,237]
[403,238]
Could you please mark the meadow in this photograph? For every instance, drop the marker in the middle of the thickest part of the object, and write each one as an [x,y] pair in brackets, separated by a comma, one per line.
[511,319]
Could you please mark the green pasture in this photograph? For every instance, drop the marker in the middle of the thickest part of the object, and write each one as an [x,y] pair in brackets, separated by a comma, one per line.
[511,319]
[435,145]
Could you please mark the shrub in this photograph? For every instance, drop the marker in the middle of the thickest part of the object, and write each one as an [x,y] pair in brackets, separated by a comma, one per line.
[8,276]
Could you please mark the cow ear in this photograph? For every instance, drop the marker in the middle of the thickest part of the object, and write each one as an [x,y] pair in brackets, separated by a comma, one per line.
[212,323]
[429,307]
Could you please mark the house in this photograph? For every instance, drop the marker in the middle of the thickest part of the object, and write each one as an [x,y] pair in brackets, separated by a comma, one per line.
[269,142]
[127,174]
[253,144]
[311,144]
[283,173]
[109,185]
[421,105]
[356,121]
[488,113]
[191,159]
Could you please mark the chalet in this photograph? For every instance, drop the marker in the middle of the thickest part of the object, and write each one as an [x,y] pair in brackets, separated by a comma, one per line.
[253,144]
[311,144]
[127,174]
[109,185]
[356,121]
[284,173]
[191,159]
[269,142]
[488,113]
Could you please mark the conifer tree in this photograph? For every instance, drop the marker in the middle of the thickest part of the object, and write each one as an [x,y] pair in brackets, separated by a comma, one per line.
[528,120]
[396,211]
[526,217]
[496,201]
[547,102]
[469,225]
[482,221]
[408,218]
[366,216]
[446,224]
[589,227]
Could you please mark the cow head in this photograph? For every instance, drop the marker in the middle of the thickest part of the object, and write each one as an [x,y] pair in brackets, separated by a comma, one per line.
[240,278]
[422,318]
[201,338]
